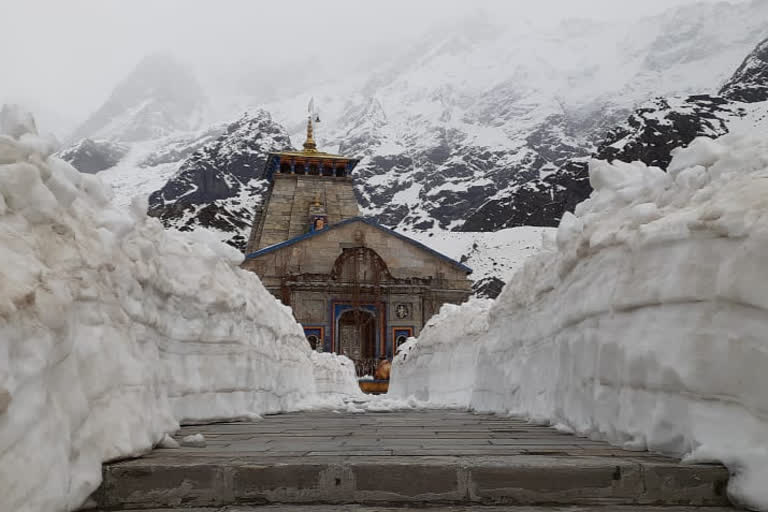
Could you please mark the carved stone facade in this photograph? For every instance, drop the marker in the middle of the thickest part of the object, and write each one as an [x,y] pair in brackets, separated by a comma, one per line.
[357,265]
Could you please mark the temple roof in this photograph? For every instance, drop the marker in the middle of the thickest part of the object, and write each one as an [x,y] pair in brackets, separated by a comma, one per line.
[312,154]
[309,153]
[370,222]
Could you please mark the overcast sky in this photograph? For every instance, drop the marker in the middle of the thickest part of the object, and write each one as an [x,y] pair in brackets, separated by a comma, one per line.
[64,56]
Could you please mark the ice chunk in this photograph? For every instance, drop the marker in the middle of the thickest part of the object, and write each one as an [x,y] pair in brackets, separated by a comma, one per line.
[168,442]
[194,440]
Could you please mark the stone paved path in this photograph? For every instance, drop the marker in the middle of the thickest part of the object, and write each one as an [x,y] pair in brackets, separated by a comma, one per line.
[442,508]
[417,458]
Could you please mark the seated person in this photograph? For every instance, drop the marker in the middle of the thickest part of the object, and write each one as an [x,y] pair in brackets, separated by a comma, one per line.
[383,369]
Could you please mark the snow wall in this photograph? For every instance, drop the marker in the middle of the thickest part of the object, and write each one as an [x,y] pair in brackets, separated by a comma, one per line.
[112,330]
[644,322]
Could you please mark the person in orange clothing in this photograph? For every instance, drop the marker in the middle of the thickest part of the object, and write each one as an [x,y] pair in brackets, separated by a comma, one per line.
[383,369]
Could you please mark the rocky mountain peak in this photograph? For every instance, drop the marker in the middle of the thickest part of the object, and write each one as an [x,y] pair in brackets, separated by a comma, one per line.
[160,96]
[92,156]
[750,82]
[221,184]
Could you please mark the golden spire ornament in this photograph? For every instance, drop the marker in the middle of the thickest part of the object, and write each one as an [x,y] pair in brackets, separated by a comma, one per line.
[309,144]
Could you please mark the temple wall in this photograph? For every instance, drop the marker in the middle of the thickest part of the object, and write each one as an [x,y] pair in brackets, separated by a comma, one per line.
[317,255]
[287,209]
[406,305]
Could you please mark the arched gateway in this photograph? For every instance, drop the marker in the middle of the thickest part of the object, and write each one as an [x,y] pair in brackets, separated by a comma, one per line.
[357,287]
[356,338]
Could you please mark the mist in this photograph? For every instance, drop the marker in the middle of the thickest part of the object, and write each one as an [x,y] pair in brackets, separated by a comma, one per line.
[62,59]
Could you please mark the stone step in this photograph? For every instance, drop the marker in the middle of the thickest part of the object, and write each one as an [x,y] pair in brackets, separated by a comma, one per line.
[438,508]
[513,480]
[410,458]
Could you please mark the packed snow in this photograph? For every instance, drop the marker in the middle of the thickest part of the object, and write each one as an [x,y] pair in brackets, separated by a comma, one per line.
[643,321]
[114,330]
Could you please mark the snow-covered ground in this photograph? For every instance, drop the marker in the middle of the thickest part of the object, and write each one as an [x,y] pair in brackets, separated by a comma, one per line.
[498,254]
[114,329]
[643,321]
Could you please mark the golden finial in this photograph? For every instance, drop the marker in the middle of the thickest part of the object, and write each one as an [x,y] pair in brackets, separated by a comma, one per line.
[309,144]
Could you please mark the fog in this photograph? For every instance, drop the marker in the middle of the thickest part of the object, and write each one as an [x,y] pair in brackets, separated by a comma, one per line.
[63,58]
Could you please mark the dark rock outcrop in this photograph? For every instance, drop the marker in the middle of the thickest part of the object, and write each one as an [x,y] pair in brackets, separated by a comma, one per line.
[489,287]
[91,156]
[221,183]
[750,82]
[649,135]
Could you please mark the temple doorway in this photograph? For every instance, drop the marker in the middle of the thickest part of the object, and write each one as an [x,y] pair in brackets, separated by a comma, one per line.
[357,339]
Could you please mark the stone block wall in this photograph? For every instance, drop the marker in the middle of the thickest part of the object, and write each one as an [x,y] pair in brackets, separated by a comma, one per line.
[286,212]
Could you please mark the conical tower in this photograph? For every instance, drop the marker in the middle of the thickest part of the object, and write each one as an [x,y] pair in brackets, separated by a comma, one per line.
[308,190]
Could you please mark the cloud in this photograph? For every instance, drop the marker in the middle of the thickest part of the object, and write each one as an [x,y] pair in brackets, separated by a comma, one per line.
[65,57]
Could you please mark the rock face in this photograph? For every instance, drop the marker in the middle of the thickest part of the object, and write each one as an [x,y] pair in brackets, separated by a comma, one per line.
[750,82]
[92,156]
[488,287]
[648,135]
[483,126]
[158,98]
[220,184]
[476,128]
[444,179]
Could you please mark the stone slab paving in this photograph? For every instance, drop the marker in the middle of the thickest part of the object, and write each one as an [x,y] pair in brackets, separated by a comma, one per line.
[439,508]
[416,458]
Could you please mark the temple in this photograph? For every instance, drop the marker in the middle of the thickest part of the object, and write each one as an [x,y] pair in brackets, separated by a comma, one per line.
[356,287]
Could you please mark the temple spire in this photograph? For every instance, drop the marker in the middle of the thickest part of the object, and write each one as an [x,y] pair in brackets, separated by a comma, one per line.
[309,144]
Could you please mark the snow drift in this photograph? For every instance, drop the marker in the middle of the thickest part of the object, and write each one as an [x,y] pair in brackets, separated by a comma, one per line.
[644,322]
[112,330]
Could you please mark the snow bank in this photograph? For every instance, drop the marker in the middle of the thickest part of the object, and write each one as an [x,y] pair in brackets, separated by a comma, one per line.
[335,374]
[645,322]
[442,368]
[112,330]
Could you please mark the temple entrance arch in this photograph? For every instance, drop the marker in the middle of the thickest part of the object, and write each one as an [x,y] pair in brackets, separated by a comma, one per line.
[357,337]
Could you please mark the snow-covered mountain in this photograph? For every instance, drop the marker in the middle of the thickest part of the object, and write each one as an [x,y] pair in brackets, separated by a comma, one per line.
[479,112]
[477,127]
[220,185]
[158,98]
[92,156]
[648,135]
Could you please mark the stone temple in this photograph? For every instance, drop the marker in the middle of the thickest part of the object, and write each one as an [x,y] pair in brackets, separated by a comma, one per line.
[356,287]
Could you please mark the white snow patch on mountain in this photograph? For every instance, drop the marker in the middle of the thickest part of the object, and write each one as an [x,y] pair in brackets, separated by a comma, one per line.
[644,322]
[128,180]
[499,254]
[114,329]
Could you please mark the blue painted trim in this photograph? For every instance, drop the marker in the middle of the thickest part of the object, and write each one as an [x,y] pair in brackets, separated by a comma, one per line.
[339,309]
[370,222]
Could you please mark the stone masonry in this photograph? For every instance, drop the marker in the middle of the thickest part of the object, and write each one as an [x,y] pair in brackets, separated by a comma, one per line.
[285,211]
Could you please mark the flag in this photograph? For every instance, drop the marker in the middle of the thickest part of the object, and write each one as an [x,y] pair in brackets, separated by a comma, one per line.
[314,113]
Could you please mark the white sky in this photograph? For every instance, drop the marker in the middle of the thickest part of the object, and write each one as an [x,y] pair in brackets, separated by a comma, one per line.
[63,57]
